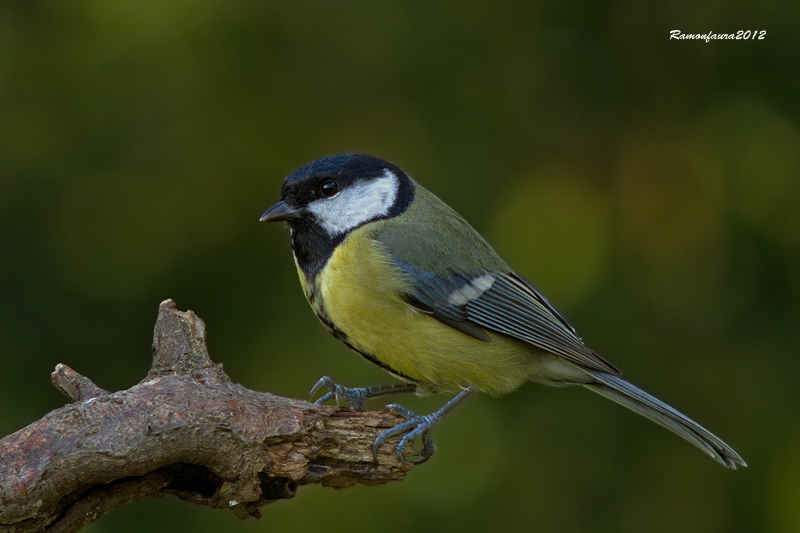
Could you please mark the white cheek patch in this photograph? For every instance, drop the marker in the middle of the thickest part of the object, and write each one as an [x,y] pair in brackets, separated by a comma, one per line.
[359,203]
[471,290]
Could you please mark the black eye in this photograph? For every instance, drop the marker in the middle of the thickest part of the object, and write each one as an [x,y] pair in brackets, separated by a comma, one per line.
[329,188]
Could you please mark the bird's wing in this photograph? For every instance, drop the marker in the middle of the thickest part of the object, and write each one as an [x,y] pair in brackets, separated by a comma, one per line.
[461,281]
[501,302]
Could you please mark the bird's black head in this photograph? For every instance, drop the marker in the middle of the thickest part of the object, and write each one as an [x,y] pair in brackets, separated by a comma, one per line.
[326,199]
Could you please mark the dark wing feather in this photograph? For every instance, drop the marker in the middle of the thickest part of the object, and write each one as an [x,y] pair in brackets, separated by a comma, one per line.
[513,307]
[446,316]
[510,306]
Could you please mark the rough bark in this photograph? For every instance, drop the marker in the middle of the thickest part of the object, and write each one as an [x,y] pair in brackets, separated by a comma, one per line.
[185,430]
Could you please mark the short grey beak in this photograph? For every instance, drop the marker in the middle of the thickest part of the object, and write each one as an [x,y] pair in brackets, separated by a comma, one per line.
[278,212]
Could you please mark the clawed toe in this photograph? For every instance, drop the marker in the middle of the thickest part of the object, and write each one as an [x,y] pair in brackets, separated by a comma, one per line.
[352,397]
[414,426]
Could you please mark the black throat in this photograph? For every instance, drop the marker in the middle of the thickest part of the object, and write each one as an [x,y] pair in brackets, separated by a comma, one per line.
[312,245]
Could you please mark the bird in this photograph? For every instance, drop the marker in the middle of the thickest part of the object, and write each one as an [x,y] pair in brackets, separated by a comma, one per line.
[402,279]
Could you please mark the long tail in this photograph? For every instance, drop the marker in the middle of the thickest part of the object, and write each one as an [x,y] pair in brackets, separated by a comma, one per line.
[637,400]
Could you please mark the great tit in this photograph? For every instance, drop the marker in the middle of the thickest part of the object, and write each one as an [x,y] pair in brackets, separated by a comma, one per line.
[402,279]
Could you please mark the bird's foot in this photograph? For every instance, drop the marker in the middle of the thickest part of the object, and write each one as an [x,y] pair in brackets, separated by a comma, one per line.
[415,425]
[353,397]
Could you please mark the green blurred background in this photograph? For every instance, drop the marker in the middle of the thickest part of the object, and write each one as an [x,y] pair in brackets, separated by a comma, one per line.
[647,187]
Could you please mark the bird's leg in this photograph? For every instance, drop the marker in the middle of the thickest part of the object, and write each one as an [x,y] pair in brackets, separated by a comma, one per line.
[416,426]
[355,397]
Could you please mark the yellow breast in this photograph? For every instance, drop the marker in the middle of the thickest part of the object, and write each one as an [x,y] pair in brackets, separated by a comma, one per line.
[359,293]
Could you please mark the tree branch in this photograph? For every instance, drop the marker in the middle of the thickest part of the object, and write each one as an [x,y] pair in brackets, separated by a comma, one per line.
[185,430]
